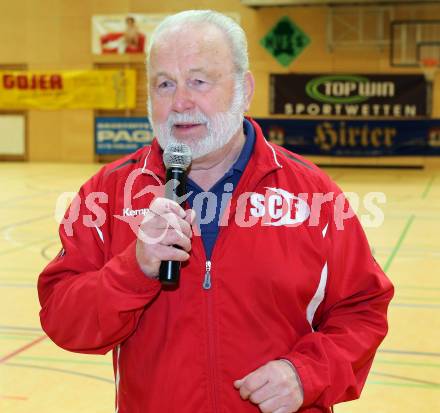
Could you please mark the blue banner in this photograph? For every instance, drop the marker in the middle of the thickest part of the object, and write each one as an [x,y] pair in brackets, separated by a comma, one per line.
[119,136]
[355,137]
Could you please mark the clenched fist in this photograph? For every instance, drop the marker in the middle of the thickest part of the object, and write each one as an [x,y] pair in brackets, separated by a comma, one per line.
[274,387]
[165,226]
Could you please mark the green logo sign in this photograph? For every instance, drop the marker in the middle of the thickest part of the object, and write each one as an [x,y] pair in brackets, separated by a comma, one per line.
[285,41]
[340,89]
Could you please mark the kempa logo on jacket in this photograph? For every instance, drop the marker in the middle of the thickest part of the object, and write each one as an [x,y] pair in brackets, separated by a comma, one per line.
[127,212]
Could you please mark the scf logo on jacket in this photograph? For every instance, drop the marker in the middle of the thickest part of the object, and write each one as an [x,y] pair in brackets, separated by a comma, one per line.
[279,207]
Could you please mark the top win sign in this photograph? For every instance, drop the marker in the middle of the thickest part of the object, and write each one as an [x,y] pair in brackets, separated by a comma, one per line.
[285,41]
[358,95]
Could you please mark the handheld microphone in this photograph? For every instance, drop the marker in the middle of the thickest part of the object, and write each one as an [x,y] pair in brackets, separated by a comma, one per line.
[177,158]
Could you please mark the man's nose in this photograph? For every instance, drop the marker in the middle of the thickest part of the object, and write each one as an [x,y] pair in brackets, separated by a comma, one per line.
[182,99]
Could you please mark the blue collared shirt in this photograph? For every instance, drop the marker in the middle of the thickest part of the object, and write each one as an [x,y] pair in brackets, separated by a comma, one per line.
[209,205]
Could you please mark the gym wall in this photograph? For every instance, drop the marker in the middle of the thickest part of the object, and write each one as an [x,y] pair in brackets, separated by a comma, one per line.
[56,34]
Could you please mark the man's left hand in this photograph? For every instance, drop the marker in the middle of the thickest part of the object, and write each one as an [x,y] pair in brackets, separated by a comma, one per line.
[274,387]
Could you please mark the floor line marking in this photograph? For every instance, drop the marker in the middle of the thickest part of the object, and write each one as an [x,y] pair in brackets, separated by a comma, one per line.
[408,352]
[30,334]
[65,360]
[430,299]
[403,363]
[428,187]
[14,338]
[5,285]
[27,197]
[399,243]
[43,251]
[20,328]
[24,246]
[71,372]
[22,349]
[411,379]
[415,287]
[411,305]
[26,221]
[400,384]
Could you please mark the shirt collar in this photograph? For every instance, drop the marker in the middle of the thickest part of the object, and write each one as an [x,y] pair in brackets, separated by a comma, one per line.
[246,151]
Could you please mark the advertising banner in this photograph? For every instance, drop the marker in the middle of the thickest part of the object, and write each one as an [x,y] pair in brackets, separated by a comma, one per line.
[117,135]
[114,136]
[68,89]
[126,33]
[355,137]
[354,95]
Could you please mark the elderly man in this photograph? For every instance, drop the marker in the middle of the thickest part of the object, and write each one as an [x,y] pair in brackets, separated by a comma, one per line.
[280,306]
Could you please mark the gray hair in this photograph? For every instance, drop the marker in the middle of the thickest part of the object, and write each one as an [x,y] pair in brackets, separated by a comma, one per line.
[232,30]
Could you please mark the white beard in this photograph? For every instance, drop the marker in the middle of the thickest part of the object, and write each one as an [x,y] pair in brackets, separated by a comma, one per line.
[221,127]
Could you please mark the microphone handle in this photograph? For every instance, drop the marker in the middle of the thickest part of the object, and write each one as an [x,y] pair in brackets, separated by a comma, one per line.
[169,271]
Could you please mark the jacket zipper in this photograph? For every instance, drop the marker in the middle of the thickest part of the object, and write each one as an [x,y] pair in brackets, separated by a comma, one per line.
[207,281]
[212,361]
[212,356]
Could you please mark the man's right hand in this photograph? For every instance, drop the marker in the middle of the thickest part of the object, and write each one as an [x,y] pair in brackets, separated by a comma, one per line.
[165,226]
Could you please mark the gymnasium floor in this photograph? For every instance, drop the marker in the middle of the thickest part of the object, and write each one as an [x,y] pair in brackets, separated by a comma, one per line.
[36,376]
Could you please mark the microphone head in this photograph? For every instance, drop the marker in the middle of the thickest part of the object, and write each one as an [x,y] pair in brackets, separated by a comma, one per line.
[177,155]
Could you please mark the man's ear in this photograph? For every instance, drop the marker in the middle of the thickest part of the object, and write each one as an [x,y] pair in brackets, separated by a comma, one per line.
[249,84]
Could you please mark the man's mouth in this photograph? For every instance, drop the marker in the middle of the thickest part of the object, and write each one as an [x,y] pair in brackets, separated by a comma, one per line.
[186,125]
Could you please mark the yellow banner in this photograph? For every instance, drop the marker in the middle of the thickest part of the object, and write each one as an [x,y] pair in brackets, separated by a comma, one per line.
[68,89]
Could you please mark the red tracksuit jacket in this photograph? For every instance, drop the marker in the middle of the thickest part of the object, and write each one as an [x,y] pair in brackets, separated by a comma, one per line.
[284,282]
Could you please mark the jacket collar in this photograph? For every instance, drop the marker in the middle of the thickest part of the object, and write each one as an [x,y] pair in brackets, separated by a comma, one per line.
[264,154]
[152,162]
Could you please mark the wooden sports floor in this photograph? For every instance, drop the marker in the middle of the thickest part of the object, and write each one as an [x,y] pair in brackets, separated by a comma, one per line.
[37,377]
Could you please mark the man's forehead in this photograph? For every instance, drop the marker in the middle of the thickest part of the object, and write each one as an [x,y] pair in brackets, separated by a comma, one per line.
[190,37]
[189,49]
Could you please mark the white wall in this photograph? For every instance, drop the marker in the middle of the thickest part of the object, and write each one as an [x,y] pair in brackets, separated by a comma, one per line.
[12,135]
